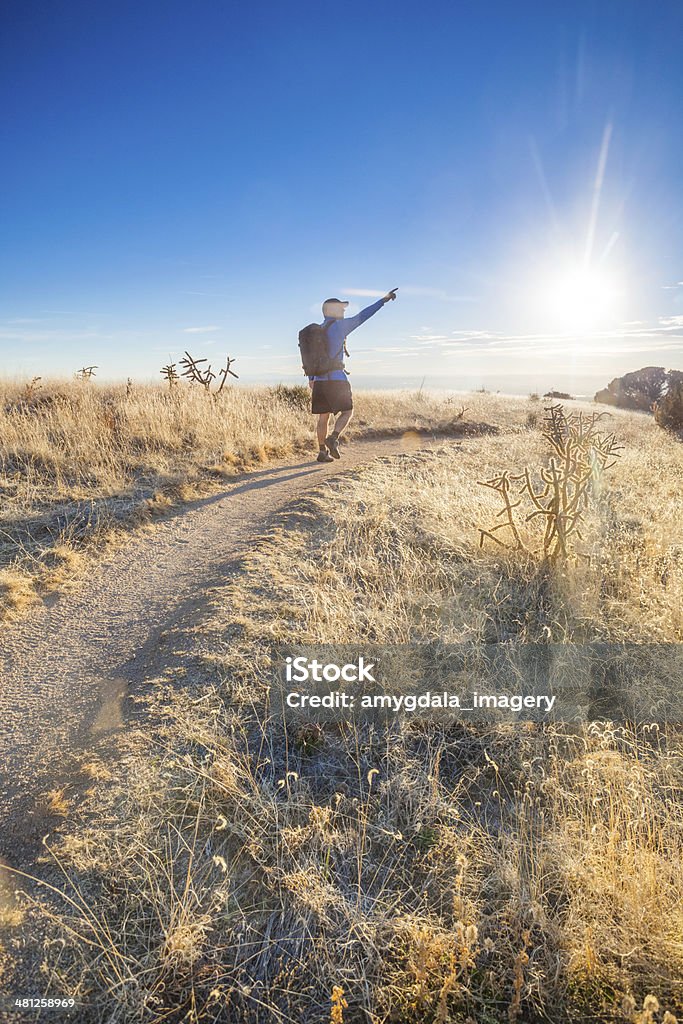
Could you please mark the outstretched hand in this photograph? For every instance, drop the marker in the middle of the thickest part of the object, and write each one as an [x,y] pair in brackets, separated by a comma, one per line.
[390,296]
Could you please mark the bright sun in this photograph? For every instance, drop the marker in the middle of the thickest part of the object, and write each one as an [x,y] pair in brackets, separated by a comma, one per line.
[580,299]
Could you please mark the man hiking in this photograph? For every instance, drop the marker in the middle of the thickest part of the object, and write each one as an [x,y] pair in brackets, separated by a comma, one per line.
[331,391]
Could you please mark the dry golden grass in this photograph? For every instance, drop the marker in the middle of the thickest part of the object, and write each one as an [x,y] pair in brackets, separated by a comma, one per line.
[431,872]
[80,461]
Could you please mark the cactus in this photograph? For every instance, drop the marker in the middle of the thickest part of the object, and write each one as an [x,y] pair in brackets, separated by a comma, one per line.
[581,453]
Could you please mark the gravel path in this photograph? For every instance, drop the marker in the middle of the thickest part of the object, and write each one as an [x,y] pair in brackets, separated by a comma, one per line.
[65,671]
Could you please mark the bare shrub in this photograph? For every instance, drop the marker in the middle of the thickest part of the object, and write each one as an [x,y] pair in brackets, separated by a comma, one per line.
[85,373]
[31,389]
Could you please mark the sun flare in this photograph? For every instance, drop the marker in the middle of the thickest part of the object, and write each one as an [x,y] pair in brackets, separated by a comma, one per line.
[580,299]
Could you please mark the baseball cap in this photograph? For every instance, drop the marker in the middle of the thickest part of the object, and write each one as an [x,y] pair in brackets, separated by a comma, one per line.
[334,307]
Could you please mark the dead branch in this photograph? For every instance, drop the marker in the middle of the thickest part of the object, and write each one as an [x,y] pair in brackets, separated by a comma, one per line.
[223,374]
[195,373]
[86,372]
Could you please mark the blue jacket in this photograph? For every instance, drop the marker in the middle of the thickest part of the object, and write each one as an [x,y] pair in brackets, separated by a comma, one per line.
[337,333]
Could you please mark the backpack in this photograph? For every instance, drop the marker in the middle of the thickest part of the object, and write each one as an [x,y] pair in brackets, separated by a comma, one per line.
[315,356]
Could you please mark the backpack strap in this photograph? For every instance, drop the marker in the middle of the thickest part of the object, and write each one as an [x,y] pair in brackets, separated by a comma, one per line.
[343,349]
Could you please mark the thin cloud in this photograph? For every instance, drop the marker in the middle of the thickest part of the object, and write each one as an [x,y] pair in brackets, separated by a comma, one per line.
[435,293]
[413,290]
[454,338]
[391,348]
[370,293]
[508,348]
[60,335]
[200,330]
[664,335]
[473,335]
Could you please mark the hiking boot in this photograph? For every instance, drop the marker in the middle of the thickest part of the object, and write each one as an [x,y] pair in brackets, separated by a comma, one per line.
[332,443]
[324,456]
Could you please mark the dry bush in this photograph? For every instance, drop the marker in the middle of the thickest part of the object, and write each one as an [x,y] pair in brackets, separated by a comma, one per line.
[668,410]
[296,395]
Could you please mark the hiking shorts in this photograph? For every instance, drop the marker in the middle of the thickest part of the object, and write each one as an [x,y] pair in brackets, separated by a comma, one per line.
[331,396]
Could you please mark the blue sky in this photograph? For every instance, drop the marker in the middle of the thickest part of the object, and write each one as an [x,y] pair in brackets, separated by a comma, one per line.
[201,176]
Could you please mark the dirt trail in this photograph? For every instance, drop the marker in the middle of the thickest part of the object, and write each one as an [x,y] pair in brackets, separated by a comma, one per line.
[65,670]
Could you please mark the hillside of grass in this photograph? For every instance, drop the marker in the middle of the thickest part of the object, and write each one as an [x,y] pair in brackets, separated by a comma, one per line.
[80,462]
[415,872]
